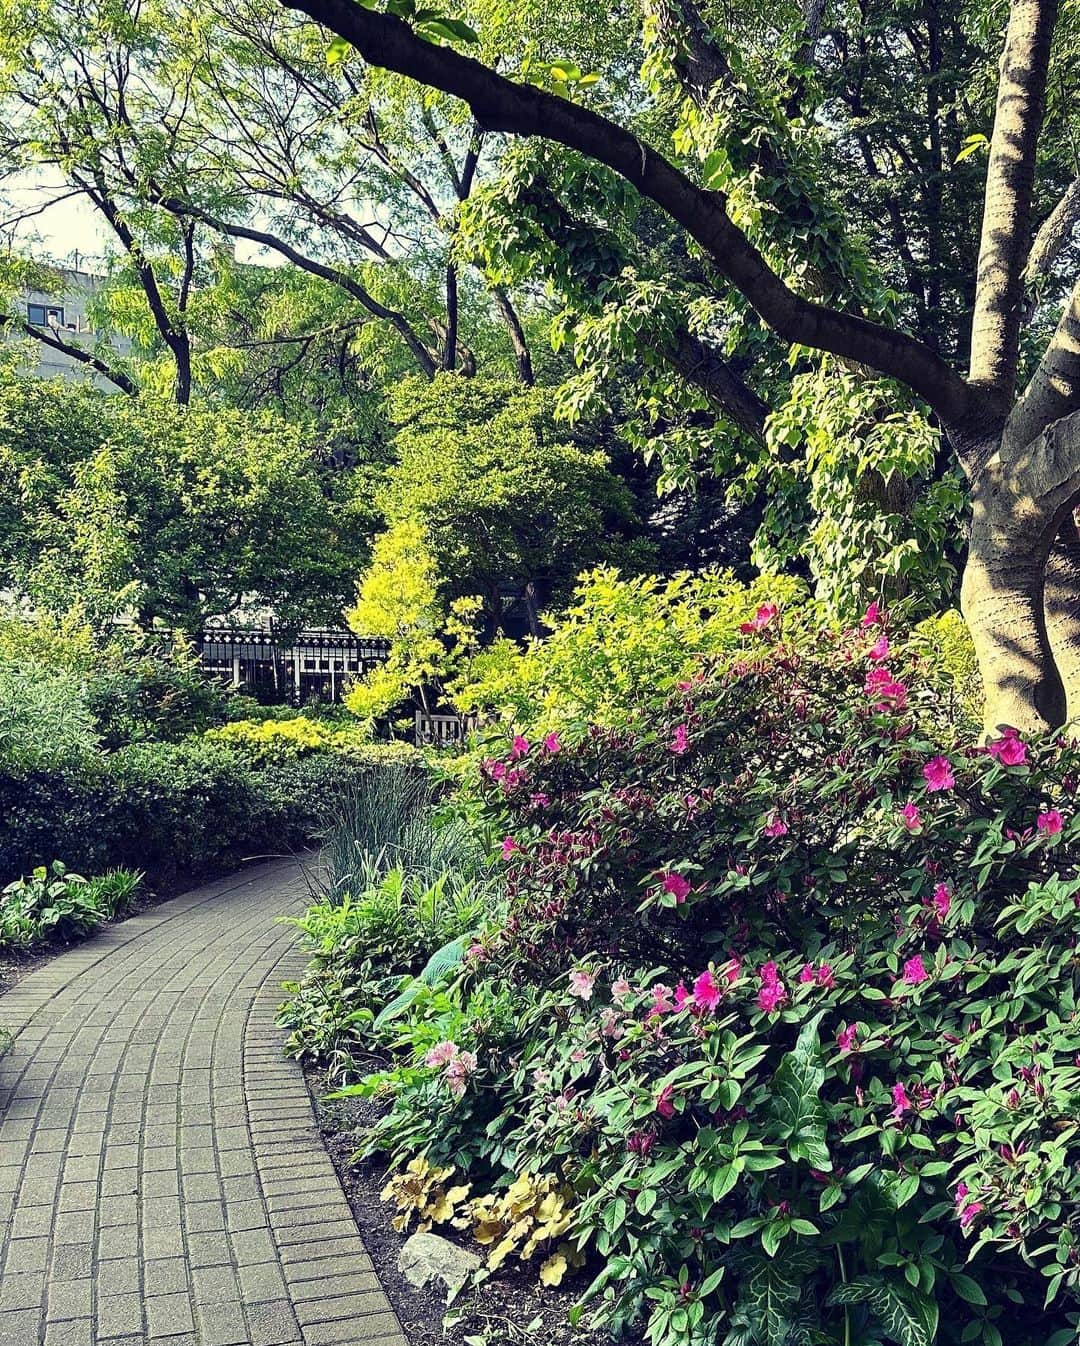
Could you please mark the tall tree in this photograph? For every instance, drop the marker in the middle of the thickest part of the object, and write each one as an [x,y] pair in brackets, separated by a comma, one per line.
[1019,444]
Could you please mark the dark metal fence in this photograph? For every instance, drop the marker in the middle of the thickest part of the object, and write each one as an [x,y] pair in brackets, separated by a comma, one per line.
[316,665]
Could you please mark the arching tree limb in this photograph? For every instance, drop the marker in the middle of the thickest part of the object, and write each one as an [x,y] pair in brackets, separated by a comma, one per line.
[1054,389]
[1054,233]
[499,104]
[84,357]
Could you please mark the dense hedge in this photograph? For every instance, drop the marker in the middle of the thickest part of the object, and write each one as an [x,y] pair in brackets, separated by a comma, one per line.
[165,807]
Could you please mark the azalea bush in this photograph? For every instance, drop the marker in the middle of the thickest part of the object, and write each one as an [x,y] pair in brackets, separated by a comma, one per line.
[785,997]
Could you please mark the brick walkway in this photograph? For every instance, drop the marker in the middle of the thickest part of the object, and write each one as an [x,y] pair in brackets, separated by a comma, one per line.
[161,1176]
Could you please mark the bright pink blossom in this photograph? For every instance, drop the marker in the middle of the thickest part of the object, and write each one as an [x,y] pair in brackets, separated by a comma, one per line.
[938,774]
[764,615]
[552,744]
[682,995]
[540,800]
[942,901]
[771,994]
[581,984]
[825,977]
[845,1038]
[879,650]
[519,748]
[901,1102]
[915,972]
[509,847]
[678,886]
[808,973]
[1050,822]
[872,615]
[911,817]
[707,993]
[775,827]
[1010,749]
[665,1104]
[680,742]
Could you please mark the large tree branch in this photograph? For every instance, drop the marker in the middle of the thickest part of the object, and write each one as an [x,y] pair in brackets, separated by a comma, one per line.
[1010,181]
[83,357]
[1054,390]
[1054,233]
[499,104]
[704,368]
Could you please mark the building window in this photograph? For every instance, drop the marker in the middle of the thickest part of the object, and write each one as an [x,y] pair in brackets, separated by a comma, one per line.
[45,315]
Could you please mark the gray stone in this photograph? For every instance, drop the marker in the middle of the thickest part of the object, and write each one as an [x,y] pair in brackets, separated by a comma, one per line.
[428,1258]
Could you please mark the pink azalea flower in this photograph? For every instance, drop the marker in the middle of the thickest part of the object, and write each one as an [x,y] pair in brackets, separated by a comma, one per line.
[678,886]
[771,994]
[942,901]
[680,742]
[901,1102]
[458,1071]
[915,972]
[498,770]
[682,995]
[552,744]
[884,690]
[845,1038]
[707,993]
[1050,822]
[662,1003]
[641,1142]
[911,817]
[775,827]
[665,1105]
[621,989]
[581,984]
[509,847]
[539,800]
[938,774]
[610,1027]
[825,977]
[519,748]
[761,619]
[1010,749]
[872,615]
[731,971]
[879,650]
[441,1054]
[808,973]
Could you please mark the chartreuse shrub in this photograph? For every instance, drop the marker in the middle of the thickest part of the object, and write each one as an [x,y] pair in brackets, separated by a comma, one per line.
[785,1002]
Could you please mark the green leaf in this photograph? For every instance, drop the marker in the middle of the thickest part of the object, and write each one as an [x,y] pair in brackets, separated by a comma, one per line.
[908,1317]
[967,1288]
[337,51]
[448,30]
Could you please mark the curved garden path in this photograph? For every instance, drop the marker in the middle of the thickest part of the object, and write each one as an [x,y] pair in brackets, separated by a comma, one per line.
[161,1175]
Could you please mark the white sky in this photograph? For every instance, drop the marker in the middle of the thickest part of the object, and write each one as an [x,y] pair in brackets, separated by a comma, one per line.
[72,229]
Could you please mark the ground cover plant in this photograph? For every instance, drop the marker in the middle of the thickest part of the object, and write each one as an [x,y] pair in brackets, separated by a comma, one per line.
[54,904]
[780,1013]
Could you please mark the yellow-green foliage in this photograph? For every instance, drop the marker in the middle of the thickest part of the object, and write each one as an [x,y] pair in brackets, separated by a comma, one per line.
[277,740]
[945,644]
[618,642]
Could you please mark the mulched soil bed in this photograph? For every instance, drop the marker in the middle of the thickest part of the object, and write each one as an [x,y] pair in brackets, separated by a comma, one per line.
[511,1309]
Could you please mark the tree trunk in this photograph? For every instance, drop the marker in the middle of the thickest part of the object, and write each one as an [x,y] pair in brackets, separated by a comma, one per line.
[1020,594]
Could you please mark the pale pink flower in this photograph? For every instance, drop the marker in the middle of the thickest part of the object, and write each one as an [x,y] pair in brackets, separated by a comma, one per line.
[938,774]
[1050,822]
[610,1025]
[458,1071]
[581,984]
[879,650]
[441,1053]
[621,989]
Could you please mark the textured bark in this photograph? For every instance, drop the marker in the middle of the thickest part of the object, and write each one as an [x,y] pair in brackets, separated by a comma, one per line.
[1062,601]
[1010,181]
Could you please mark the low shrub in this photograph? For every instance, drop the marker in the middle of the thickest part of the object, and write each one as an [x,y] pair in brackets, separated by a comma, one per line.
[53,903]
[786,998]
[272,740]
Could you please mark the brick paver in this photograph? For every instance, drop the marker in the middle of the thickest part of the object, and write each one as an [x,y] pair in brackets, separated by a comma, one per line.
[161,1175]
